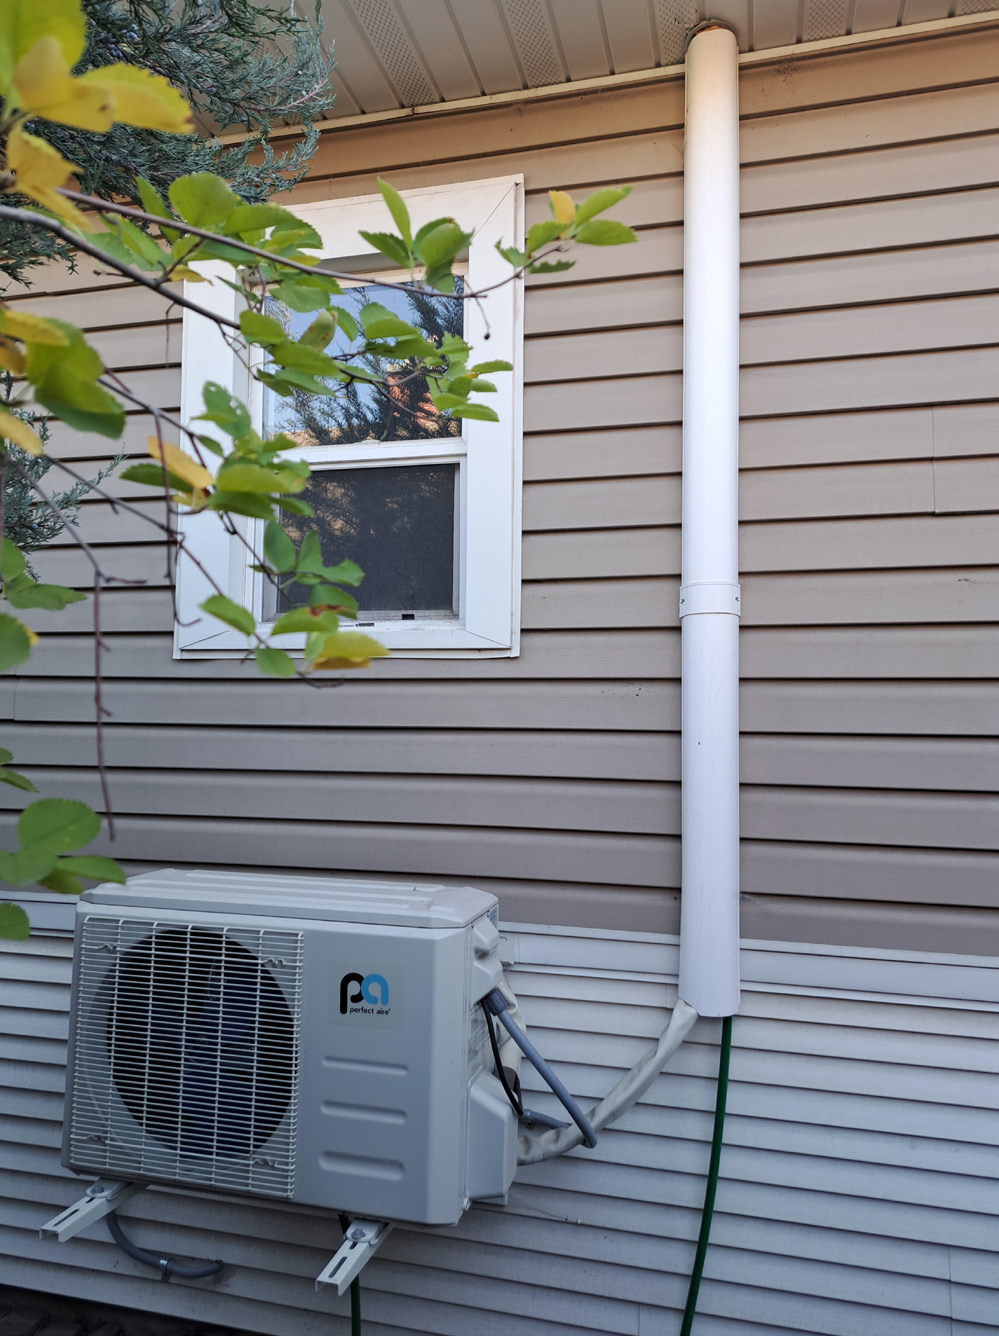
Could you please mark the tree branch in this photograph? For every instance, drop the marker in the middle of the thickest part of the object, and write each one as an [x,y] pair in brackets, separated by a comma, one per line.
[32,219]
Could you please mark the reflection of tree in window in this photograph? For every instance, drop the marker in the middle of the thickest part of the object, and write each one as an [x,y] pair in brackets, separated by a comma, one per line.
[401,411]
[397,523]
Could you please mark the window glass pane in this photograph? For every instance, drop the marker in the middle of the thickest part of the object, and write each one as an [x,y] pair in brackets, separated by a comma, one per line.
[363,412]
[397,523]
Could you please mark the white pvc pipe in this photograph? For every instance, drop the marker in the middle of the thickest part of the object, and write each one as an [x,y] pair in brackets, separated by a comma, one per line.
[709,593]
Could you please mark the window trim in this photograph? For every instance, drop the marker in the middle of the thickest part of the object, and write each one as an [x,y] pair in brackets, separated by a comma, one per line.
[490,459]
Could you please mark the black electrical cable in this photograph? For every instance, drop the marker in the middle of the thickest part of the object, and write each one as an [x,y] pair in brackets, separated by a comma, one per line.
[497,1004]
[166,1266]
[511,1094]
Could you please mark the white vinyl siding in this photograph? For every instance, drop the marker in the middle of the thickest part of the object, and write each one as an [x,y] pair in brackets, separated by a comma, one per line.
[857,1188]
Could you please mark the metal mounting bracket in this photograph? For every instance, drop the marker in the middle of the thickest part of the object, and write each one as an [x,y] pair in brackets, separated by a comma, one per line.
[361,1241]
[101,1197]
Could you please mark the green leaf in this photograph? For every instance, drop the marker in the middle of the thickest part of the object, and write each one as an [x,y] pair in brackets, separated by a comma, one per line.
[299,357]
[5,756]
[300,296]
[57,825]
[14,926]
[258,217]
[389,245]
[288,380]
[153,203]
[310,558]
[225,410]
[605,232]
[319,332]
[479,411]
[141,245]
[541,233]
[62,881]
[15,642]
[262,329]
[26,865]
[27,593]
[295,507]
[95,866]
[203,199]
[484,368]
[441,244]
[11,562]
[112,245]
[346,321]
[151,475]
[328,596]
[551,266]
[274,662]
[300,619]
[397,208]
[599,201]
[16,781]
[279,550]
[512,255]
[229,612]
[241,503]
[80,402]
[241,477]
[346,572]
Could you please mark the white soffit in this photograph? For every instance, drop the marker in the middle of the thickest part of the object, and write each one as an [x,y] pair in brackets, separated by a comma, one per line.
[405,53]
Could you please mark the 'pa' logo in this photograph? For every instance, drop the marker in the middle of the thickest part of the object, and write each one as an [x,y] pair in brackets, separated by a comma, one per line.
[373,989]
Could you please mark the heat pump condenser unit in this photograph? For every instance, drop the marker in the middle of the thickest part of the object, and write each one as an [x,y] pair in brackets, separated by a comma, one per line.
[310,1040]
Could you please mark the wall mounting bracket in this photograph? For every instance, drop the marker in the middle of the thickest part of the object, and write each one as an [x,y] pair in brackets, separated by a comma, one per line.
[100,1199]
[361,1240]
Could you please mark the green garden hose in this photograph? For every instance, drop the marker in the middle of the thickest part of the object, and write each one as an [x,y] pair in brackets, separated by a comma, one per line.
[355,1288]
[711,1187]
[355,1306]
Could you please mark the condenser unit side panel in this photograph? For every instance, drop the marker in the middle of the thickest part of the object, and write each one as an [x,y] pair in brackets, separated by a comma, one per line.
[384,1070]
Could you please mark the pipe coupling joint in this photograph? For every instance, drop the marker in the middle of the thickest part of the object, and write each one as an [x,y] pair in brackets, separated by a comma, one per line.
[710,596]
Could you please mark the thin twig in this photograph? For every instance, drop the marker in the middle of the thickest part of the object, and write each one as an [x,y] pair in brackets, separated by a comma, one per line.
[129,211]
[99,577]
[31,219]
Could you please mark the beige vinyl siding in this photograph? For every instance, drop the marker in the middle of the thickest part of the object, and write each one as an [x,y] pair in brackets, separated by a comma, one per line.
[869,498]
[857,1189]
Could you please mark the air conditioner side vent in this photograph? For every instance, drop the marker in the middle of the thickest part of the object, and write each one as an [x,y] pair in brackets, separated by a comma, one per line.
[186,1055]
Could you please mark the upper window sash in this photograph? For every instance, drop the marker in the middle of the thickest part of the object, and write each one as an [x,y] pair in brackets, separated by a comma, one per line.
[489,453]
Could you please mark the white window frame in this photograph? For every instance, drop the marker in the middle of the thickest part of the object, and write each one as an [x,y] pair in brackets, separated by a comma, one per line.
[489,454]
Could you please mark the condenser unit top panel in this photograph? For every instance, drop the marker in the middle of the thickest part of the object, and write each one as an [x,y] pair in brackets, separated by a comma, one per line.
[234,893]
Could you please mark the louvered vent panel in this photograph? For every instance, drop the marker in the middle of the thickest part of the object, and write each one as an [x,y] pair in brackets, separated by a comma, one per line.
[534,42]
[674,19]
[824,18]
[186,1059]
[394,49]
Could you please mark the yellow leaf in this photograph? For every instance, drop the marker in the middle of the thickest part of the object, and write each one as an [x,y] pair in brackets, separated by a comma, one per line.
[45,88]
[348,649]
[11,358]
[40,169]
[192,275]
[180,464]
[563,206]
[30,328]
[18,431]
[141,98]
[25,21]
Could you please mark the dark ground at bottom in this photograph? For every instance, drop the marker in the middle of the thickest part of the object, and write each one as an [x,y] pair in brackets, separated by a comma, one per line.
[29,1313]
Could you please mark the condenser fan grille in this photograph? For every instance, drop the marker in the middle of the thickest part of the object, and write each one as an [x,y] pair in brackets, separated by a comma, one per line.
[186,1054]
